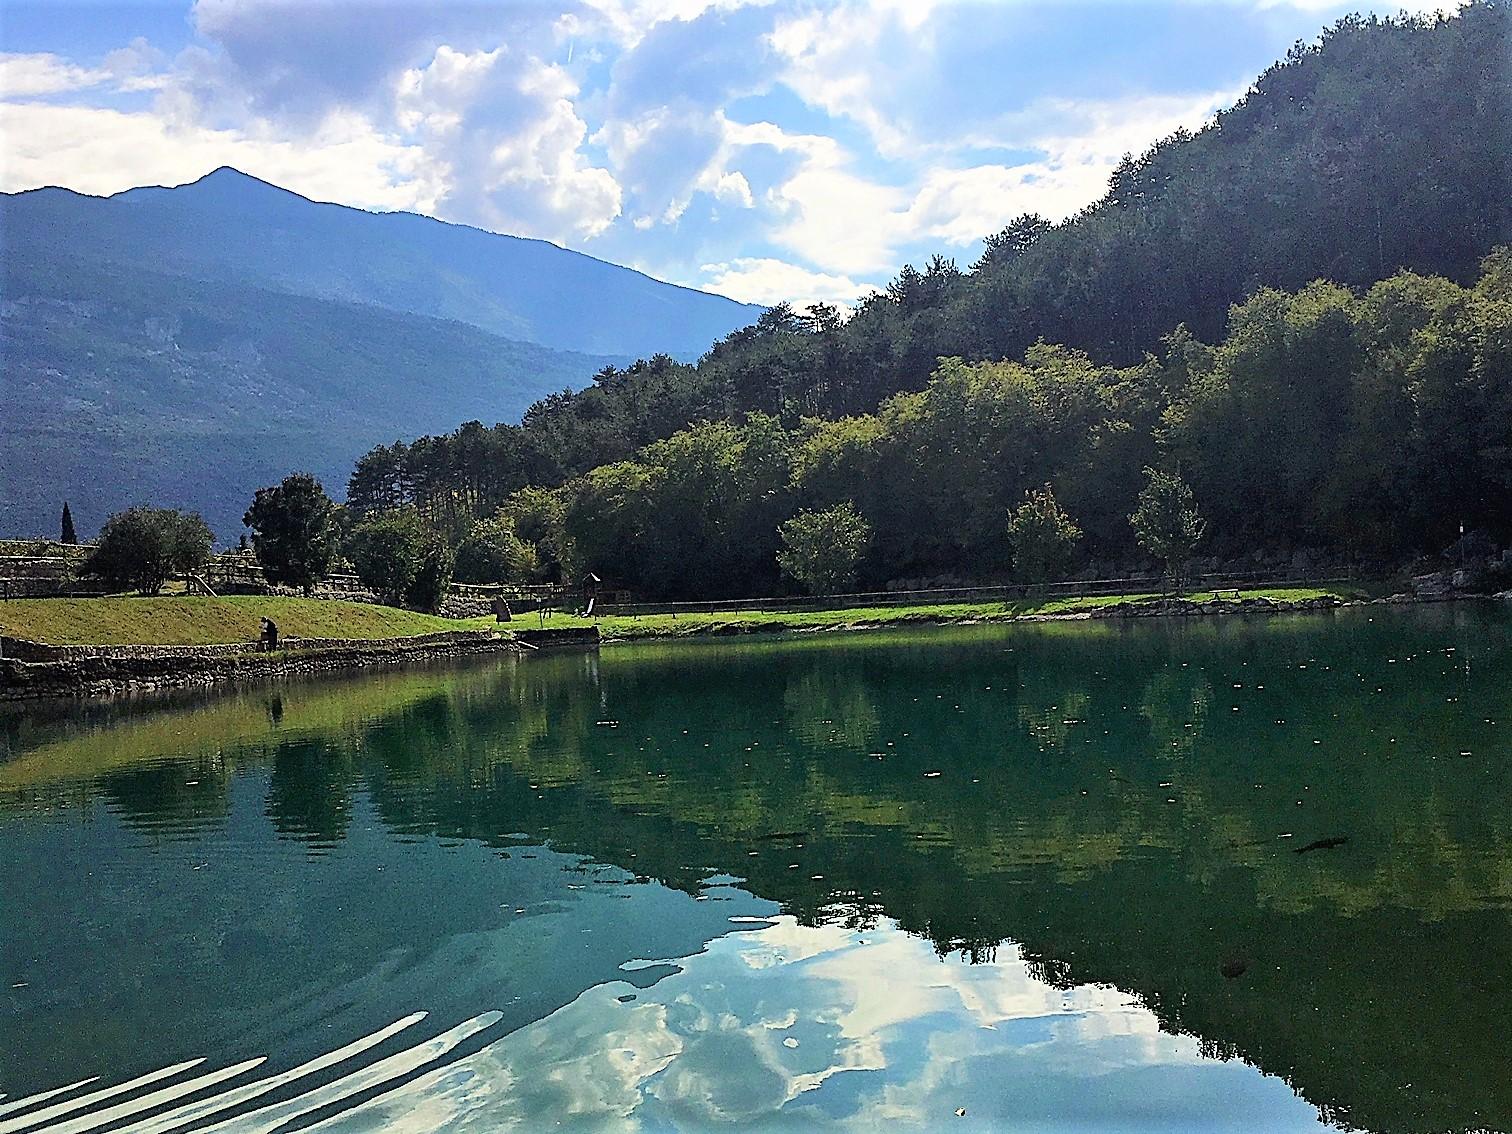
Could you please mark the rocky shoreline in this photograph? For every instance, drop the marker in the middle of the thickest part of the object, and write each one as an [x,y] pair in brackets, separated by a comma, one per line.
[96,671]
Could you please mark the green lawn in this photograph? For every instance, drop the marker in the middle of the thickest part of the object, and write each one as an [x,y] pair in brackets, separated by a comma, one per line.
[666,625]
[197,621]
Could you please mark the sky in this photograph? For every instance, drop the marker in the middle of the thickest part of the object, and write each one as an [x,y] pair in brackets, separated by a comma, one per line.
[762,149]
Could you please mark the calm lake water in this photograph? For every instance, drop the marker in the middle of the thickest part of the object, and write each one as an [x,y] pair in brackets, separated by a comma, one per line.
[1048,876]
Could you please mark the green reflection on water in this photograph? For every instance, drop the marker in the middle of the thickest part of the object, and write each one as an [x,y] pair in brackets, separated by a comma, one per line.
[1123,804]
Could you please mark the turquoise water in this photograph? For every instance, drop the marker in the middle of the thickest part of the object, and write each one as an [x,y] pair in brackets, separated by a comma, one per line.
[1039,878]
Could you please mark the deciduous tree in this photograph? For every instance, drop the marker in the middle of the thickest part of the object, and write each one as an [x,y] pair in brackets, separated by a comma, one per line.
[144,547]
[1042,536]
[293,531]
[1166,522]
[821,549]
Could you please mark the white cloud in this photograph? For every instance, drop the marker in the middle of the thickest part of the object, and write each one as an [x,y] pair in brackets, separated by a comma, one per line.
[795,1009]
[729,187]
[505,134]
[768,281]
[628,21]
[100,151]
[1082,143]
[42,73]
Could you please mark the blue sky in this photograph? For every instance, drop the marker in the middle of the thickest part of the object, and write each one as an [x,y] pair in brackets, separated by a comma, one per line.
[793,149]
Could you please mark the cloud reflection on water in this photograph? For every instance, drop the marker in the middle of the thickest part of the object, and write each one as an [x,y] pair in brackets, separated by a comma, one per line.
[789,1026]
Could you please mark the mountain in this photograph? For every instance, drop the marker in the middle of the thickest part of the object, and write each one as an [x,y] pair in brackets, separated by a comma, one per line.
[228,226]
[185,346]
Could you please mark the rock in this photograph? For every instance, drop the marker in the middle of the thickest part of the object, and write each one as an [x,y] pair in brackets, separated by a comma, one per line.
[1432,585]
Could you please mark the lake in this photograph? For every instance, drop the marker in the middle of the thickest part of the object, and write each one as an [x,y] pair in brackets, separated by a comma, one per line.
[1185,875]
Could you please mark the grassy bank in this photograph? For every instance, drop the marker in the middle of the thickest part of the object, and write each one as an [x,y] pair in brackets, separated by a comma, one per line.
[762,621]
[199,621]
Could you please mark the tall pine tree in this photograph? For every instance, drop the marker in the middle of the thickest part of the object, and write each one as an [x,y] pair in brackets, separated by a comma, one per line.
[68,536]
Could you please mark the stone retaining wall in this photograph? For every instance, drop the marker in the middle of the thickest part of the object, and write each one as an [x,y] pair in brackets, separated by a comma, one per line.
[23,650]
[116,669]
[1165,607]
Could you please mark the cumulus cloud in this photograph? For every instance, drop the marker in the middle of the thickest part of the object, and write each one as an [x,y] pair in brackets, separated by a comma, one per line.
[504,132]
[765,280]
[42,73]
[100,151]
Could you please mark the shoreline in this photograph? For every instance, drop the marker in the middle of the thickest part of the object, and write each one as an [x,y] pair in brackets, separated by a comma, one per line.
[716,626]
[107,671]
[60,672]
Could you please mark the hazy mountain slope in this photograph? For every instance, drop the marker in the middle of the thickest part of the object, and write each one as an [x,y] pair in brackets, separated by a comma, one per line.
[124,386]
[229,226]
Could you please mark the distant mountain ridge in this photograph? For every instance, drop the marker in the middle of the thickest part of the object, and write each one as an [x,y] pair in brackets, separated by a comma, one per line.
[184,346]
[230,226]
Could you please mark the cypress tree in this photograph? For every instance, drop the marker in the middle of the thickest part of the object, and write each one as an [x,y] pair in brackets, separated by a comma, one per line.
[68,536]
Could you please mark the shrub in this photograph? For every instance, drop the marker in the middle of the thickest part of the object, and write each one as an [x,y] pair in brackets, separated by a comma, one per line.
[1166,522]
[403,561]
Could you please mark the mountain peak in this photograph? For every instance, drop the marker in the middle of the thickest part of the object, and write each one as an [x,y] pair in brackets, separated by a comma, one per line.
[227,178]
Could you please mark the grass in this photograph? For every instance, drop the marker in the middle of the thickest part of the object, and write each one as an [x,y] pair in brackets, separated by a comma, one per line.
[200,621]
[776,621]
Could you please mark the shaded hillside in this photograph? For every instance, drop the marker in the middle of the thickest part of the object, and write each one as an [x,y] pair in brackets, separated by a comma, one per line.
[125,386]
[230,227]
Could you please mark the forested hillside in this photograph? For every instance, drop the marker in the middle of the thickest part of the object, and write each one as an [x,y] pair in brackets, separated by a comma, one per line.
[1354,417]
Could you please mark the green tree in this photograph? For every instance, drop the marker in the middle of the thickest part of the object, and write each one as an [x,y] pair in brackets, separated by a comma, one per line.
[386,552]
[491,552]
[538,516]
[1042,537]
[1166,522]
[145,547]
[293,531]
[68,536]
[433,573]
[821,549]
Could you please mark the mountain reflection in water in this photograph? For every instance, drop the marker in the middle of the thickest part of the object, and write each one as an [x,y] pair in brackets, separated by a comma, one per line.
[1044,875]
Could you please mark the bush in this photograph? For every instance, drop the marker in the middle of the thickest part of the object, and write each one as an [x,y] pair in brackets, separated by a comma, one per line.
[822,549]
[143,548]
[385,552]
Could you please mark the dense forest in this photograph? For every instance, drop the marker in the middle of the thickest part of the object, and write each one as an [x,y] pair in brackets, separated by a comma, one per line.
[1366,416]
